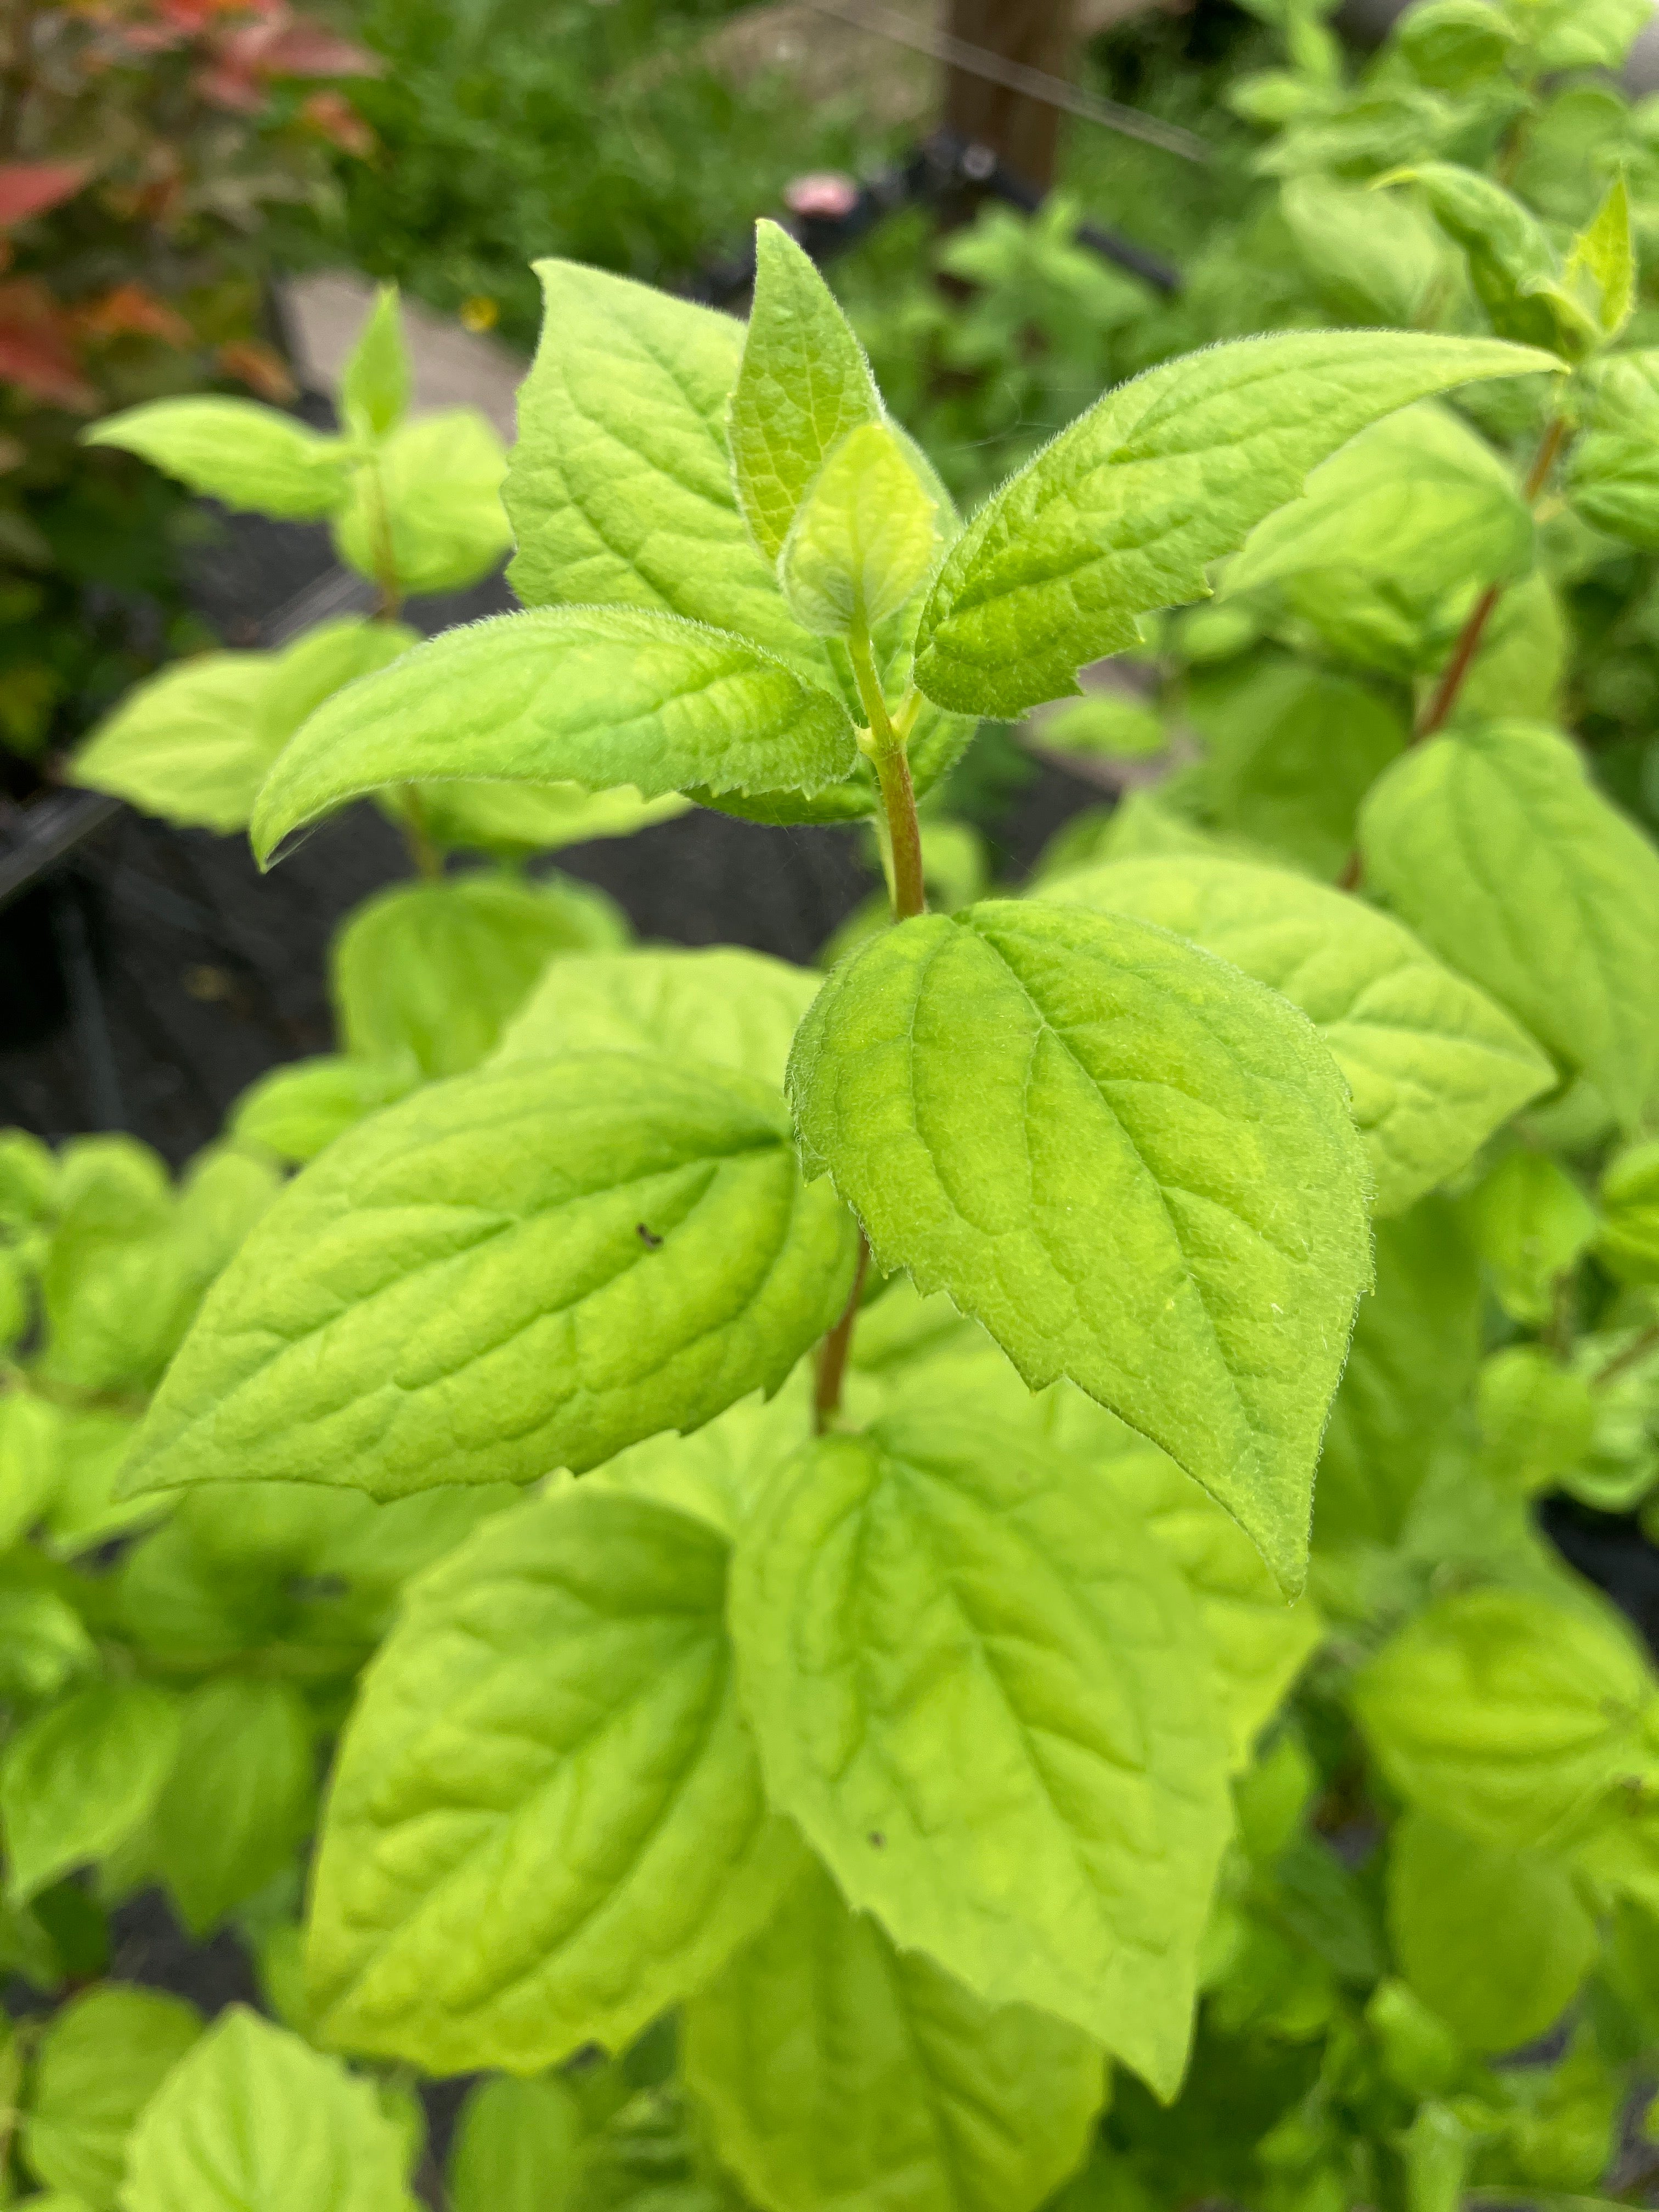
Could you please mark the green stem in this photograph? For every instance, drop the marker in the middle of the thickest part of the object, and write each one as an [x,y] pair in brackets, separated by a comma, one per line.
[428,860]
[884,743]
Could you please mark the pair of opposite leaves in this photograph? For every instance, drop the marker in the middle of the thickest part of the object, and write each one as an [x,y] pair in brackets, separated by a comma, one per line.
[1206,1290]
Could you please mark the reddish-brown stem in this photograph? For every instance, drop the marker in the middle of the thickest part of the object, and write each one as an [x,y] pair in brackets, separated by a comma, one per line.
[903,835]
[832,1352]
[1633,1353]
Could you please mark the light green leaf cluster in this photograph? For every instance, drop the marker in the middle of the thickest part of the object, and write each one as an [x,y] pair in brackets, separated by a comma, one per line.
[102,2059]
[1132,1164]
[80,1777]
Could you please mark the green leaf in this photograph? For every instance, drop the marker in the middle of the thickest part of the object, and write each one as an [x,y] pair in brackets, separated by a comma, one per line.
[1372,260]
[1432,1065]
[376,380]
[1575,34]
[802,384]
[1132,1164]
[189,743]
[431,973]
[1395,538]
[44,1645]
[1497,850]
[239,1802]
[734,1008]
[195,743]
[1629,1241]
[1259,1643]
[513,820]
[1531,1224]
[837,2070]
[1537,1418]
[1600,275]
[252,2118]
[1494,1941]
[1613,470]
[1290,751]
[547,1821]
[295,1110]
[1105,722]
[592,695]
[517,2147]
[439,480]
[1504,1715]
[1121,514]
[620,487]
[985,1698]
[79,1778]
[1513,266]
[248,456]
[101,2061]
[523,1268]
[1455,45]
[28,1463]
[863,537]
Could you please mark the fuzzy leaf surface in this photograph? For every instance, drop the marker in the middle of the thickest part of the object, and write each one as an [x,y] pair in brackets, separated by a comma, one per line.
[620,487]
[1123,512]
[1497,850]
[841,2075]
[985,1698]
[802,384]
[735,1009]
[523,1268]
[592,695]
[1134,1164]
[547,1823]
[1433,1067]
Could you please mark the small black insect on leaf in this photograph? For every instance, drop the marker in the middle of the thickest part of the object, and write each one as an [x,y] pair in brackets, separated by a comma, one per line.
[646,1235]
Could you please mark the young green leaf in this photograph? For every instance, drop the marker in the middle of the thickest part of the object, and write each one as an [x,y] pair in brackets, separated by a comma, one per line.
[1531,1224]
[1537,1418]
[1506,1716]
[1134,1164]
[517,2148]
[1121,514]
[837,2070]
[297,1109]
[1600,271]
[1629,1241]
[1372,259]
[375,383]
[1497,850]
[194,744]
[1453,45]
[732,1008]
[512,821]
[1495,1941]
[101,2061]
[985,1698]
[592,695]
[438,481]
[239,1802]
[79,1778]
[431,972]
[1432,1065]
[1513,266]
[1612,471]
[547,1823]
[524,1269]
[802,385]
[1579,34]
[251,2117]
[862,538]
[620,487]
[248,456]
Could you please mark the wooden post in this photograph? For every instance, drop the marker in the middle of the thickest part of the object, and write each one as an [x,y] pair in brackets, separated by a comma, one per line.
[1023,133]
